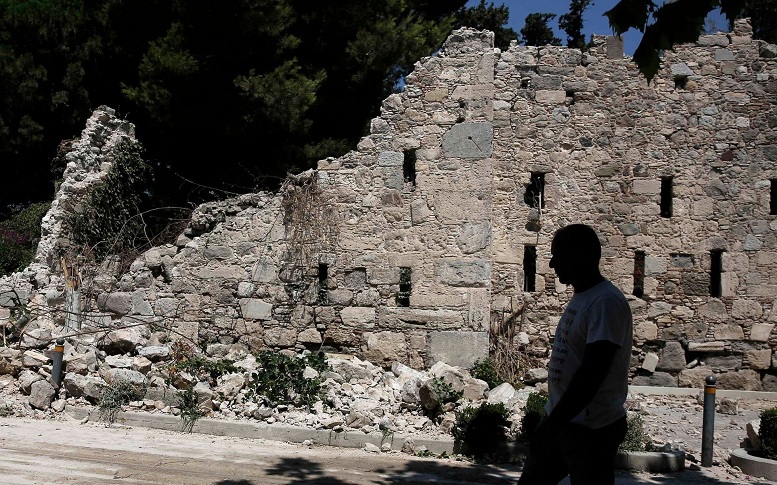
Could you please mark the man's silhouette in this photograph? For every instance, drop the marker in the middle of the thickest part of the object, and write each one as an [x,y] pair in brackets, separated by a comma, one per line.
[587,373]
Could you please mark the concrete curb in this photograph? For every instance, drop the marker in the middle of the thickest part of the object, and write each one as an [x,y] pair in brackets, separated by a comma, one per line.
[754,465]
[272,432]
[692,391]
[651,461]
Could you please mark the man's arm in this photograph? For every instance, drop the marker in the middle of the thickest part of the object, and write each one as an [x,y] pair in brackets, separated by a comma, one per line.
[597,360]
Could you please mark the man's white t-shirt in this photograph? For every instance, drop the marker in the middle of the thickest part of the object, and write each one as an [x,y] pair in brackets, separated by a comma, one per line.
[599,313]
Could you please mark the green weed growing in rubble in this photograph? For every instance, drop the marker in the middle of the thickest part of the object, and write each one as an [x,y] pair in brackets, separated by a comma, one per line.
[114,397]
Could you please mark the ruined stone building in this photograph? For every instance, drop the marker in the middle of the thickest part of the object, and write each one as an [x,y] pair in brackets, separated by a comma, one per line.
[437,228]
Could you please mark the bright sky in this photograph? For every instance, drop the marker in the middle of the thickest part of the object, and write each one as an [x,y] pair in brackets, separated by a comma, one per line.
[593,20]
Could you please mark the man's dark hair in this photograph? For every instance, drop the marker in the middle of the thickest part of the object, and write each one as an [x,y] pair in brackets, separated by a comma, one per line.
[582,239]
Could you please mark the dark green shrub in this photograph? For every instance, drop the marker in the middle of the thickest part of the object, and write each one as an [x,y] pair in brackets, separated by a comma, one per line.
[279,378]
[19,236]
[636,439]
[485,371]
[481,431]
[767,433]
[533,413]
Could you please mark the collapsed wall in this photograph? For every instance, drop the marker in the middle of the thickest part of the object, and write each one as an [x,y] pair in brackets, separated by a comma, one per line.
[432,238]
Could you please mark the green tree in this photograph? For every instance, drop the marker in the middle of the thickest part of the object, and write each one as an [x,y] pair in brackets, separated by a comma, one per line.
[536,31]
[682,21]
[572,23]
[488,17]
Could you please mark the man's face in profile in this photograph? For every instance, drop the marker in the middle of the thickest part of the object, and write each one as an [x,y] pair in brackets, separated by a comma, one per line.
[562,260]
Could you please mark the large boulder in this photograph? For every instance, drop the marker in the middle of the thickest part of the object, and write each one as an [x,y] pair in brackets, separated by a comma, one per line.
[41,394]
[121,341]
[10,361]
[88,387]
[26,379]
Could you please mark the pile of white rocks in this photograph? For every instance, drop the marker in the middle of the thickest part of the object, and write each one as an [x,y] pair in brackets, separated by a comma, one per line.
[357,395]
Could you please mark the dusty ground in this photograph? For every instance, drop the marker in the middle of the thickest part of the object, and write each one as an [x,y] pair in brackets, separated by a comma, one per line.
[38,452]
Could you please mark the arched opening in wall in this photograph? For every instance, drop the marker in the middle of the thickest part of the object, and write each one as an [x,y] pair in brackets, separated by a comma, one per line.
[667,192]
[639,274]
[529,267]
[716,271]
[408,167]
[405,286]
[773,197]
[535,191]
[323,290]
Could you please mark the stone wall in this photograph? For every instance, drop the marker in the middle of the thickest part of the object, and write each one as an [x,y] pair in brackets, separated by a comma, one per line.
[412,247]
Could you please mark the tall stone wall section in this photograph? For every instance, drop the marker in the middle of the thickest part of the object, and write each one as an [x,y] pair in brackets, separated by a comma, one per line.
[412,247]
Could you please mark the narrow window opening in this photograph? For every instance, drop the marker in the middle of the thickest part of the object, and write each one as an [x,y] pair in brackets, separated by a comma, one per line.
[535,191]
[529,268]
[408,167]
[639,274]
[680,82]
[716,269]
[666,196]
[323,290]
[773,198]
[405,287]
[571,97]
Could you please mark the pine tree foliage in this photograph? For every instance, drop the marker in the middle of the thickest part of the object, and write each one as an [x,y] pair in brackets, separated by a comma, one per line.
[537,32]
[572,23]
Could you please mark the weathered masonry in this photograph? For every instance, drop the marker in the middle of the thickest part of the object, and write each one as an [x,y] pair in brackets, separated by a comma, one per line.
[438,226]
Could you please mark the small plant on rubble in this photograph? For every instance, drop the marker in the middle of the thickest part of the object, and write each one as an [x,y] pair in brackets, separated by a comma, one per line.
[280,378]
[636,438]
[532,414]
[190,408]
[481,431]
[444,390]
[485,371]
[184,360]
[114,397]
[767,434]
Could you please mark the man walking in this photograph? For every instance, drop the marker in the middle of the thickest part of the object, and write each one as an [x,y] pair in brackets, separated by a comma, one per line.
[587,374]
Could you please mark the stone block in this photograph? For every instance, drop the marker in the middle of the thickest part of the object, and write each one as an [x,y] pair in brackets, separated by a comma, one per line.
[309,336]
[456,348]
[647,186]
[729,332]
[384,348]
[649,362]
[760,332]
[614,47]
[391,159]
[660,379]
[724,362]
[706,346]
[744,380]
[280,337]
[419,211]
[693,377]
[659,308]
[550,96]
[470,273]
[758,359]
[746,309]
[672,357]
[384,276]
[358,316]
[724,55]
[255,309]
[474,237]
[655,266]
[696,284]
[468,140]
[645,331]
[119,303]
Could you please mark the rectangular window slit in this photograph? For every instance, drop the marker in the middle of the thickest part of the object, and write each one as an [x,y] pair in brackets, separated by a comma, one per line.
[323,290]
[408,167]
[529,267]
[405,286]
[666,196]
[773,198]
[639,274]
[535,191]
[716,270]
